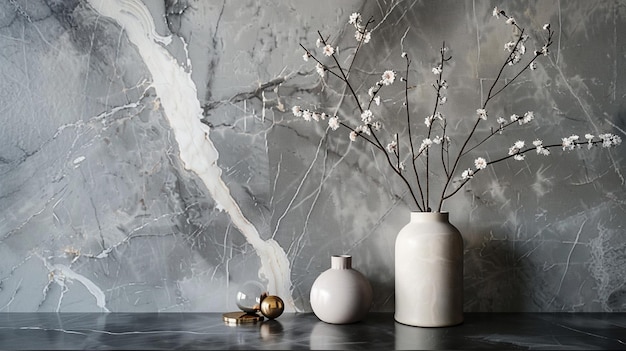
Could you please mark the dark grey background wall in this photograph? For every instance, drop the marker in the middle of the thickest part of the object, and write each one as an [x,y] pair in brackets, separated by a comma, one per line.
[150,161]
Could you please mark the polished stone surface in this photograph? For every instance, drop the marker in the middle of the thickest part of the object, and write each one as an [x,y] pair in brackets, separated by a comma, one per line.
[150,162]
[196,331]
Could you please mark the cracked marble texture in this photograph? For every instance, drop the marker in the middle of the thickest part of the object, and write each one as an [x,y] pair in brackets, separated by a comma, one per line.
[150,162]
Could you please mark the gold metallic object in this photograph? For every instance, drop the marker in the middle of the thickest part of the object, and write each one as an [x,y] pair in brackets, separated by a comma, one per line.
[272,306]
[236,318]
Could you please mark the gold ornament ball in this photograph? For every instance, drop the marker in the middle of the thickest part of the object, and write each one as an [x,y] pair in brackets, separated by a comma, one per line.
[272,306]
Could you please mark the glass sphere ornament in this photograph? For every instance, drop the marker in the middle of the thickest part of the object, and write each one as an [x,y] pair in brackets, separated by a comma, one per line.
[249,296]
[252,298]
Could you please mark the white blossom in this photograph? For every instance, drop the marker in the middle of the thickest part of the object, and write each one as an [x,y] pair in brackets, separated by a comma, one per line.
[514,117]
[509,46]
[355,18]
[496,12]
[519,144]
[333,123]
[307,115]
[500,120]
[316,116]
[365,37]
[392,146]
[437,139]
[328,50]
[305,57]
[297,111]
[377,125]
[537,142]
[425,144]
[546,26]
[401,166]
[403,55]
[442,100]
[353,136]
[388,77]
[467,174]
[370,91]
[589,138]
[363,129]
[428,120]
[480,163]
[319,43]
[366,116]
[528,116]
[482,113]
[510,21]
[320,70]
[519,157]
[437,70]
[377,100]
[533,66]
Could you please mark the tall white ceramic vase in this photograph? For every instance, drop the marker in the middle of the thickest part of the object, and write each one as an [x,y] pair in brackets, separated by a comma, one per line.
[429,272]
[341,294]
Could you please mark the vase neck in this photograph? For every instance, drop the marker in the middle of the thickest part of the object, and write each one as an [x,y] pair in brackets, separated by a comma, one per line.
[341,262]
[429,216]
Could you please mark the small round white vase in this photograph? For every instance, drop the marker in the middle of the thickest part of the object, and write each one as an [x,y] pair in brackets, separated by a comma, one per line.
[429,272]
[341,295]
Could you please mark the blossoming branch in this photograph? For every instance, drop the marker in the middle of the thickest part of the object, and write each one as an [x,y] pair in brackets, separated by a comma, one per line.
[435,142]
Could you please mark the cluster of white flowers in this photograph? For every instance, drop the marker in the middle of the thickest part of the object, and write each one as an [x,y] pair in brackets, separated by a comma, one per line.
[569,143]
[480,163]
[517,49]
[320,69]
[426,143]
[366,116]
[528,117]
[429,120]
[362,129]
[309,115]
[607,140]
[515,150]
[540,149]
[361,34]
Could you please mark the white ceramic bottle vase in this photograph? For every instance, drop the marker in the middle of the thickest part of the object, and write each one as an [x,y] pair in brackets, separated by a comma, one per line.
[341,295]
[429,272]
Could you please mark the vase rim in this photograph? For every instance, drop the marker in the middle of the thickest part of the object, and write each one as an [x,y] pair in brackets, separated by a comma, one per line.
[341,261]
[416,215]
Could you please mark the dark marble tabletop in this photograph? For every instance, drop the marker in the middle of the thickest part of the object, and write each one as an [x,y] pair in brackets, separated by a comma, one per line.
[197,331]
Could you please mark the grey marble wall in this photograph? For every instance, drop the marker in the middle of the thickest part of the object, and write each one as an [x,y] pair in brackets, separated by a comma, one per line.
[150,161]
